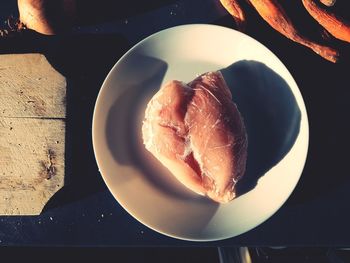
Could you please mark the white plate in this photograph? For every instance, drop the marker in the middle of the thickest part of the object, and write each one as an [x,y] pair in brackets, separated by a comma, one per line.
[267,97]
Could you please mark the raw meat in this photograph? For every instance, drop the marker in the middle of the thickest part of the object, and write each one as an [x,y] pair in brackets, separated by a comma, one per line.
[197,132]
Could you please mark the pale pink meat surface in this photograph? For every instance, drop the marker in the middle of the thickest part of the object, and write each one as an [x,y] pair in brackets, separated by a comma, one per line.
[196,131]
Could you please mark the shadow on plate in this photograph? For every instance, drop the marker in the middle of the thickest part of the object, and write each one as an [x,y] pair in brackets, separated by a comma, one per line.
[271,115]
[124,122]
[124,139]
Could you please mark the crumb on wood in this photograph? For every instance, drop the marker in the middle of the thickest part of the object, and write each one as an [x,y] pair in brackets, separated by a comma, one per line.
[13,27]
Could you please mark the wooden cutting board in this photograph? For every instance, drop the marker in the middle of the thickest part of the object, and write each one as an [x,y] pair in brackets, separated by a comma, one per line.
[32,133]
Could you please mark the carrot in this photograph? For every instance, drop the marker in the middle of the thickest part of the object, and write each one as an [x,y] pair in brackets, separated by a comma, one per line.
[328,2]
[335,25]
[47,16]
[273,13]
[236,11]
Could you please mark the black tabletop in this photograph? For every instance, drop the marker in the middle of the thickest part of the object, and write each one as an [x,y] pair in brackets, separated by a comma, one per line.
[84,212]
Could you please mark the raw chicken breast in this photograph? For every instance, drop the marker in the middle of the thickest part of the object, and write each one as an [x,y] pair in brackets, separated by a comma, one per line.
[196,131]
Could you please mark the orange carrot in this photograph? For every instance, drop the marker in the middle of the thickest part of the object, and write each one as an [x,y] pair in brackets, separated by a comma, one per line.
[328,2]
[335,25]
[273,13]
[47,16]
[236,11]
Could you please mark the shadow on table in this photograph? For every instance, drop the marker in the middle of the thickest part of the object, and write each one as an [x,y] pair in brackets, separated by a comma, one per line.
[270,113]
[90,13]
[84,60]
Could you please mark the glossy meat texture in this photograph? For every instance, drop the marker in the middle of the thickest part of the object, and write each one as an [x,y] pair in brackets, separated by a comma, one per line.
[196,131]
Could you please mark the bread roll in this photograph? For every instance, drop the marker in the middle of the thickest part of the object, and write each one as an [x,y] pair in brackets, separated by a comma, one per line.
[197,132]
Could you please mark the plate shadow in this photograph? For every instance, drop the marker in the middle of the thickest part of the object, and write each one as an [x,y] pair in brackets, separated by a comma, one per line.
[271,115]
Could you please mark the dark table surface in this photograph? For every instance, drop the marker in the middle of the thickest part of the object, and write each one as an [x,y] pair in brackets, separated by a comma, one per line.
[84,213]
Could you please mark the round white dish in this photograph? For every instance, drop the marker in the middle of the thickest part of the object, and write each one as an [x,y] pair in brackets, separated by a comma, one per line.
[267,97]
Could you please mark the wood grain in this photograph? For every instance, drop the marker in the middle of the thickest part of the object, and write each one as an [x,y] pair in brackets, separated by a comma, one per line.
[31,87]
[32,133]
